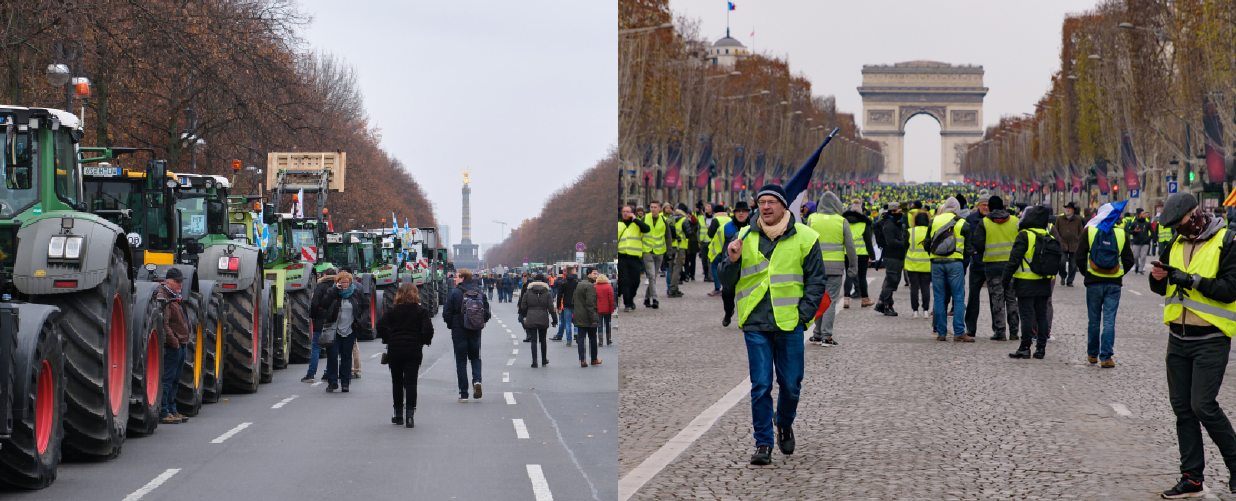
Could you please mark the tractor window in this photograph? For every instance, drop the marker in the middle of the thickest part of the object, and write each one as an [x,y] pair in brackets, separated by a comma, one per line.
[367,255]
[66,167]
[237,231]
[118,195]
[300,238]
[20,188]
[192,217]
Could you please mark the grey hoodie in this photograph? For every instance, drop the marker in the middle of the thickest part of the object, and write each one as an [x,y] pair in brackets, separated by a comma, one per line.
[830,204]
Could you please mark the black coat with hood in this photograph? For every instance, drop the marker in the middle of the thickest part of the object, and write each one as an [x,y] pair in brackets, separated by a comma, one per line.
[406,327]
[1034,217]
[896,237]
[566,291]
[853,217]
[536,306]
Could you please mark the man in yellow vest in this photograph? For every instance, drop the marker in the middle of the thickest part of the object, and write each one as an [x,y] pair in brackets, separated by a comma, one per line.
[681,225]
[992,245]
[1103,283]
[1196,274]
[630,255]
[656,244]
[840,260]
[716,240]
[947,272]
[776,269]
[704,221]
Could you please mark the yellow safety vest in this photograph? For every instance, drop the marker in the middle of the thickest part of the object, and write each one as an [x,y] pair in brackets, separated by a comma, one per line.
[917,259]
[718,240]
[832,235]
[1205,262]
[782,277]
[942,220]
[630,239]
[1165,234]
[1119,234]
[856,231]
[654,240]
[1000,239]
[680,240]
[1023,268]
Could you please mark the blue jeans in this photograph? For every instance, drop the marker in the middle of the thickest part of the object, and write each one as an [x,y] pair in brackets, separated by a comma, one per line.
[491,294]
[716,279]
[780,354]
[315,351]
[953,276]
[565,324]
[467,349]
[173,364]
[1102,301]
[339,360]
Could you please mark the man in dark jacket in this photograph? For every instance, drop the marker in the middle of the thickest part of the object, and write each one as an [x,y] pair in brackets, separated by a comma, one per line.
[467,341]
[975,269]
[896,242]
[773,319]
[566,303]
[586,317]
[860,227]
[316,319]
[1032,290]
[1141,235]
[175,344]
[1070,227]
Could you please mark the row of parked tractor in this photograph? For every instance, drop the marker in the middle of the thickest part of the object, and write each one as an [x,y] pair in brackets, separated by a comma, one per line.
[87,235]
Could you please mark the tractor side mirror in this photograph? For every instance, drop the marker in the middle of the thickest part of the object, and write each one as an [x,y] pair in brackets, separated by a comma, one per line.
[216,217]
[195,247]
[268,214]
[156,172]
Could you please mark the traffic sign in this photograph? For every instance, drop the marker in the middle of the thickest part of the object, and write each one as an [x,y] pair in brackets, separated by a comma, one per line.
[1171,187]
[1134,193]
[1075,190]
[579,257]
[579,247]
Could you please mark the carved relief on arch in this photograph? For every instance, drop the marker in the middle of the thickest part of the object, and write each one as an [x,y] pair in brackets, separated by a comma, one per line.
[907,111]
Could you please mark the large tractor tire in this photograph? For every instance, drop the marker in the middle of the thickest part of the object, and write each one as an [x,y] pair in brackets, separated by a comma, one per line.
[29,457]
[242,317]
[147,345]
[270,325]
[368,318]
[212,355]
[388,299]
[98,363]
[300,332]
[190,386]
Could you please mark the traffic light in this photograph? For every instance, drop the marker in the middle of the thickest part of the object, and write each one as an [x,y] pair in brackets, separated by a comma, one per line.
[1192,177]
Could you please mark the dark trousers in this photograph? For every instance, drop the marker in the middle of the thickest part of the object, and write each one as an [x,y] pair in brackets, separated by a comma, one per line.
[688,266]
[404,364]
[537,335]
[591,334]
[339,360]
[173,365]
[1068,264]
[920,281]
[727,301]
[628,278]
[892,278]
[1034,324]
[607,319]
[1194,373]
[467,349]
[706,265]
[857,284]
[976,278]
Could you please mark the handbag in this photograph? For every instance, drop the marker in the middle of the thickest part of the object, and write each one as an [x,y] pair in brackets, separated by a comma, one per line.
[383,361]
[327,338]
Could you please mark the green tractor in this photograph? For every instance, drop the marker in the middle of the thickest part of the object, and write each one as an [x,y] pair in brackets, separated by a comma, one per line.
[209,217]
[354,250]
[75,391]
[388,267]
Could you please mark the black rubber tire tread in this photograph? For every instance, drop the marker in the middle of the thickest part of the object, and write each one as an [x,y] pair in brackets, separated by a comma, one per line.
[143,415]
[91,431]
[189,391]
[212,382]
[281,351]
[301,333]
[270,322]
[240,375]
[388,299]
[21,465]
[366,331]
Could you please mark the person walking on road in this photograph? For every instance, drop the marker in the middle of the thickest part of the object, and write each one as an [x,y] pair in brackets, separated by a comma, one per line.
[605,309]
[466,313]
[1196,273]
[537,308]
[716,241]
[860,227]
[341,307]
[945,245]
[1103,257]
[1032,290]
[1141,234]
[742,217]
[775,265]
[586,316]
[489,284]
[896,242]
[175,343]
[840,260]
[405,330]
[918,265]
[681,226]
[316,318]
[656,244]
[974,267]
[993,244]
[630,255]
[1070,227]
[566,304]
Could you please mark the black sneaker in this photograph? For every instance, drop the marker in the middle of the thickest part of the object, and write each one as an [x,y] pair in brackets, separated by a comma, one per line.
[1039,353]
[997,337]
[307,379]
[762,456]
[1186,488]
[656,304]
[345,389]
[879,308]
[1020,353]
[828,342]
[725,322]
[330,388]
[785,440]
[889,312]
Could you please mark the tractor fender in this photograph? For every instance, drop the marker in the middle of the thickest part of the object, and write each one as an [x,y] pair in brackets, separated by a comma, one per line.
[30,320]
[144,274]
[208,263]
[32,274]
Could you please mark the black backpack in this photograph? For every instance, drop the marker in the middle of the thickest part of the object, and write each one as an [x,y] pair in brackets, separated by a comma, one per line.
[1047,254]
[878,230]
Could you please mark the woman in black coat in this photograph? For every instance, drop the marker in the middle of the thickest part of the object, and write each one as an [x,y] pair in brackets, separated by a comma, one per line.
[536,307]
[405,330]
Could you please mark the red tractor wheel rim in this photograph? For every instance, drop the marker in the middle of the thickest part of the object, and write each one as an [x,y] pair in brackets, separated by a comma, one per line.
[257,316]
[153,368]
[43,407]
[117,344]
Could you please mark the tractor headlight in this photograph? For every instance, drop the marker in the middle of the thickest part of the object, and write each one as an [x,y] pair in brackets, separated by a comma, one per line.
[73,247]
[55,248]
[223,263]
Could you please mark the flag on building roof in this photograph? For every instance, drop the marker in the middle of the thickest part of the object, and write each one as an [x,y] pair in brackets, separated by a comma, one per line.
[731,4]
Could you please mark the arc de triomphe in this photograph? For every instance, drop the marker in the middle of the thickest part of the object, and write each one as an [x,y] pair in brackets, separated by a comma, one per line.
[953,95]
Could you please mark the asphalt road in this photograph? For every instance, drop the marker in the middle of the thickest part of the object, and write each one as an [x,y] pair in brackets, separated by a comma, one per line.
[320,445]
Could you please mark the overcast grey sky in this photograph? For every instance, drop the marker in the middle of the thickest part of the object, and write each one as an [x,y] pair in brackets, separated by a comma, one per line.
[523,93]
[1016,41]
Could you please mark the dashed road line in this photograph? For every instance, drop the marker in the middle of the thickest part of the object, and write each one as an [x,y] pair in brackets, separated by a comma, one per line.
[510,398]
[284,402]
[163,477]
[540,488]
[506,377]
[1135,292]
[230,432]
[510,362]
[521,431]
[558,430]
[515,351]
[317,383]
[1121,410]
[375,355]
[508,330]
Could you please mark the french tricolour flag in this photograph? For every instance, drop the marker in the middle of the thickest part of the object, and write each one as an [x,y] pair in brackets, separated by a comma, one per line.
[796,187]
[1107,215]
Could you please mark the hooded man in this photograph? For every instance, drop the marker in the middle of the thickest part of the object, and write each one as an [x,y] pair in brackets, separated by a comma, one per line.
[992,244]
[896,242]
[1140,235]
[1196,272]
[860,226]
[947,272]
[1033,291]
[840,260]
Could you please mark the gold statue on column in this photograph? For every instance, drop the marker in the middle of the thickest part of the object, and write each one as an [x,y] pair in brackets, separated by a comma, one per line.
[465,173]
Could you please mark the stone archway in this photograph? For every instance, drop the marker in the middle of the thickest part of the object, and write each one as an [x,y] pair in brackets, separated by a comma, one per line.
[953,95]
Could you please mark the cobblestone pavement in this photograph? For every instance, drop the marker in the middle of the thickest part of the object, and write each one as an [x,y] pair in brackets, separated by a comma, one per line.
[894,414]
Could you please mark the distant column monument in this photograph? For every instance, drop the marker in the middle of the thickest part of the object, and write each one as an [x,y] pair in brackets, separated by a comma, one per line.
[466,252]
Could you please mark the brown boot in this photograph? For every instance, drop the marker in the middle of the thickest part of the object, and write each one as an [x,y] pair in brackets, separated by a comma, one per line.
[867,302]
[596,362]
[846,303]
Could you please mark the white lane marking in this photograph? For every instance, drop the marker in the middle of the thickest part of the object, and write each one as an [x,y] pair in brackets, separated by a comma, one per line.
[515,342]
[521,431]
[512,336]
[435,362]
[635,479]
[553,422]
[317,383]
[510,398]
[540,488]
[515,351]
[1121,410]
[375,355]
[163,477]
[506,377]
[508,330]
[284,402]
[230,432]
[1135,292]
[510,362]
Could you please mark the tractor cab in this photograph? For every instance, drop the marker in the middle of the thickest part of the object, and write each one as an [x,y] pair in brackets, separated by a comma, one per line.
[140,199]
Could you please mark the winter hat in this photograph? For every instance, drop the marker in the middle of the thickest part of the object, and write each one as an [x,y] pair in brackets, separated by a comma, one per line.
[742,205]
[810,207]
[983,197]
[892,206]
[174,274]
[774,190]
[717,208]
[1175,209]
[995,203]
[681,206]
[961,199]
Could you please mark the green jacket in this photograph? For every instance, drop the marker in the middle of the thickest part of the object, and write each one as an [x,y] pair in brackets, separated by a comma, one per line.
[585,299]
